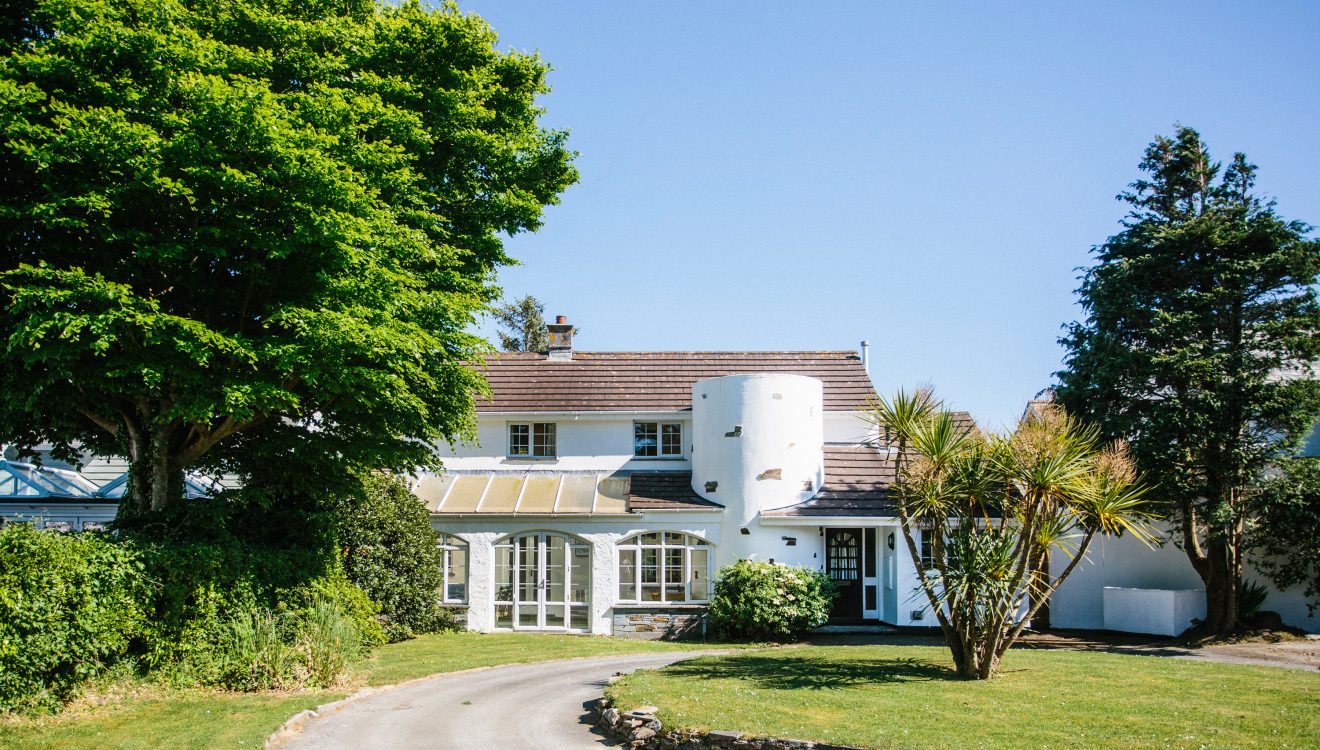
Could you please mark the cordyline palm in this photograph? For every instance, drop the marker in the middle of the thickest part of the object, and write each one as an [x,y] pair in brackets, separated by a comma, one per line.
[995,506]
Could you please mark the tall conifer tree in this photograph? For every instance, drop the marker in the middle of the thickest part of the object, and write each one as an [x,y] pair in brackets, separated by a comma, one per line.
[1201,334]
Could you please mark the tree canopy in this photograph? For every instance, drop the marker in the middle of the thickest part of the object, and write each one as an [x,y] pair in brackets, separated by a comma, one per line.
[269,222]
[1199,346]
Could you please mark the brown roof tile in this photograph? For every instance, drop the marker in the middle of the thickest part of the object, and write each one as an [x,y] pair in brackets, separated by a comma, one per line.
[665,490]
[655,381]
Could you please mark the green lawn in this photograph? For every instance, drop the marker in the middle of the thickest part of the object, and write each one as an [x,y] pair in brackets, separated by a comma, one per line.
[148,717]
[908,697]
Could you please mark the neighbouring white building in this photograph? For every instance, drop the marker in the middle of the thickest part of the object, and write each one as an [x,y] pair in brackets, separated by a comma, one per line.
[603,491]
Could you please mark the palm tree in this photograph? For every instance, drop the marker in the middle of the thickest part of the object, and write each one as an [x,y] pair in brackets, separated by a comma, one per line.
[996,506]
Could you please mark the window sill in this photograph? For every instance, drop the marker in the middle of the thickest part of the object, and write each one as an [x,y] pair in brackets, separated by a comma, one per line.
[659,458]
[537,459]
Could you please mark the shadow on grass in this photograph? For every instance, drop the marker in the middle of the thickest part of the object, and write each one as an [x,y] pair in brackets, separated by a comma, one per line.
[810,673]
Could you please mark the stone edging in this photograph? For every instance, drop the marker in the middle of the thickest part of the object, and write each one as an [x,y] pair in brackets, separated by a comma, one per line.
[639,729]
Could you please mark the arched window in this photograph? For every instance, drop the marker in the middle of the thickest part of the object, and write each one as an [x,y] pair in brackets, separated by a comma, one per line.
[664,566]
[455,554]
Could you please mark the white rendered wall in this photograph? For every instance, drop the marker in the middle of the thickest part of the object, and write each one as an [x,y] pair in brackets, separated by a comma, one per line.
[1152,611]
[851,427]
[603,534]
[584,441]
[1127,563]
[756,440]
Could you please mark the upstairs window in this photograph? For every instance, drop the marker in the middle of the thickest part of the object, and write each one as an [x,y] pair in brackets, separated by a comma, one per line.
[657,439]
[532,440]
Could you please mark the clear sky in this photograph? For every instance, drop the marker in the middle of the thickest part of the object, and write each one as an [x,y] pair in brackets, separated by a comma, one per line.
[774,175]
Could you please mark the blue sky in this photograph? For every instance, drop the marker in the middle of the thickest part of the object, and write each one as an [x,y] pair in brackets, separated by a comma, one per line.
[773,175]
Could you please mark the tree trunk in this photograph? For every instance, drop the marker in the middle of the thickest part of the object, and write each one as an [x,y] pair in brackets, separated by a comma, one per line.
[1040,576]
[1222,577]
[155,478]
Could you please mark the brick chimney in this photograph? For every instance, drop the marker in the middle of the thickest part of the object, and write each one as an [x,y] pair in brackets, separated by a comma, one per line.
[561,338]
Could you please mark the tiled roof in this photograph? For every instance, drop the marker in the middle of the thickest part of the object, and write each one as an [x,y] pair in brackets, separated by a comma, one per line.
[655,381]
[507,493]
[858,482]
[665,490]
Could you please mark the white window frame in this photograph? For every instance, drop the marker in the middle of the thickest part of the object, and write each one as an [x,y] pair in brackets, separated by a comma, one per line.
[448,546]
[553,433]
[659,438]
[689,543]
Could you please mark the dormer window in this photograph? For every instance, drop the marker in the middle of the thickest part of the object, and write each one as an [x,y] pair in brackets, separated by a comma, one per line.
[657,439]
[532,440]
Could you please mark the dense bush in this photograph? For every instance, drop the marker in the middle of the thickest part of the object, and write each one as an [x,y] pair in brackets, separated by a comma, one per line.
[70,607]
[389,551]
[768,602]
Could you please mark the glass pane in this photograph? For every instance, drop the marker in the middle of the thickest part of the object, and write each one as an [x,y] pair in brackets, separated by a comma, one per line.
[578,618]
[869,553]
[543,439]
[456,582]
[672,538]
[527,615]
[504,574]
[518,441]
[645,442]
[580,579]
[650,592]
[870,596]
[528,580]
[628,575]
[650,566]
[671,440]
[697,577]
[651,538]
[503,615]
[554,568]
[554,616]
[674,565]
[502,494]
[675,592]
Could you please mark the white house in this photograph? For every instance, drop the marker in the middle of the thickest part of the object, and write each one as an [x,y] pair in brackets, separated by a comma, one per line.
[604,489]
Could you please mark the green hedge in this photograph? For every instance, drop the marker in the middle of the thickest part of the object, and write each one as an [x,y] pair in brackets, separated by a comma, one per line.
[71,605]
[762,601]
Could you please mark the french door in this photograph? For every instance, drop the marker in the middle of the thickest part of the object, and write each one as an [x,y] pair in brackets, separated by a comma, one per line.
[545,580]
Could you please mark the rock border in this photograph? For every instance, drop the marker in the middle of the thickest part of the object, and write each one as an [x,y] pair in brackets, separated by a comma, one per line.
[640,729]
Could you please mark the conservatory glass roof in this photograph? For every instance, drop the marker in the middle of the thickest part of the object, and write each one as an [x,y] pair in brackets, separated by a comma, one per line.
[194,487]
[20,481]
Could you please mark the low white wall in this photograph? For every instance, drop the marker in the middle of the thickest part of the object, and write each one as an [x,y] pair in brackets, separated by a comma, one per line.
[1152,611]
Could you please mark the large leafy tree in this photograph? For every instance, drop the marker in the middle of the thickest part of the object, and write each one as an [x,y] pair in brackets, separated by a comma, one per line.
[1200,335]
[266,224]
[994,506]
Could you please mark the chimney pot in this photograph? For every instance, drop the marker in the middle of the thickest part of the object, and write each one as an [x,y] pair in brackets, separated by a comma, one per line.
[561,319]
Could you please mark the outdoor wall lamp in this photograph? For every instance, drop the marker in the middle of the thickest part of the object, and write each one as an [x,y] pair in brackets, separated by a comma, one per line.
[889,540]
[745,531]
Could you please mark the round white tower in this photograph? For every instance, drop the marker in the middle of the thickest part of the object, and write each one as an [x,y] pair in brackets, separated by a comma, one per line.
[756,446]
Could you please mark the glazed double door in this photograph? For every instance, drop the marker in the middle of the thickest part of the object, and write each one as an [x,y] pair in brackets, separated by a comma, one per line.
[551,582]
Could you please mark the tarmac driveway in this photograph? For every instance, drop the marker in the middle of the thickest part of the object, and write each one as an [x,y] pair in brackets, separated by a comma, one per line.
[521,705]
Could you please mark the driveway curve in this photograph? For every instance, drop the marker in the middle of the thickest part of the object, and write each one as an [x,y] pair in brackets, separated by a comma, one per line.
[539,705]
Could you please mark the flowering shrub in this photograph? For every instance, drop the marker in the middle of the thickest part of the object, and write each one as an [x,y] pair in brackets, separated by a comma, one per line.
[768,602]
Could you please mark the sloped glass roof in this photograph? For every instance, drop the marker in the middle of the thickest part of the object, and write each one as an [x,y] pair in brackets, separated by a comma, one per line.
[194,487]
[20,481]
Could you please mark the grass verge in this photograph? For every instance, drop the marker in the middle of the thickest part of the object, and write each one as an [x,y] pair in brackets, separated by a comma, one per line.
[908,697]
[143,716]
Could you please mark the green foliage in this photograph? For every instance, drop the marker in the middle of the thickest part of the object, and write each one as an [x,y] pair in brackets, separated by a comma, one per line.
[389,551]
[328,642]
[237,232]
[995,507]
[763,601]
[1287,533]
[1198,347]
[522,325]
[1253,598]
[71,606]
